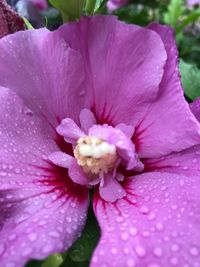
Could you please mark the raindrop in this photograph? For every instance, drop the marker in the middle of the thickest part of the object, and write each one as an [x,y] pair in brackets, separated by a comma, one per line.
[194,251]
[113,250]
[159,226]
[26,251]
[175,248]
[32,236]
[124,236]
[144,209]
[140,251]
[53,234]
[130,263]
[133,231]
[157,252]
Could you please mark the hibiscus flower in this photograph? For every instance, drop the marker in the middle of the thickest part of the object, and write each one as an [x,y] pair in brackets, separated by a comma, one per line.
[97,105]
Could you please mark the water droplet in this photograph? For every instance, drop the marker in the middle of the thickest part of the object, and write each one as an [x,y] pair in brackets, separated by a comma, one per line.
[113,250]
[32,236]
[140,251]
[194,251]
[26,251]
[158,252]
[151,216]
[174,261]
[159,226]
[73,204]
[175,247]
[130,263]
[54,234]
[68,219]
[144,209]
[47,249]
[124,236]
[133,231]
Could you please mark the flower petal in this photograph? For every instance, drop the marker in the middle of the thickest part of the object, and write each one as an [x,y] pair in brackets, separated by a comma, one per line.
[114,136]
[186,162]
[122,62]
[156,224]
[60,159]
[70,130]
[42,212]
[195,108]
[111,190]
[53,73]
[76,174]
[169,125]
[87,119]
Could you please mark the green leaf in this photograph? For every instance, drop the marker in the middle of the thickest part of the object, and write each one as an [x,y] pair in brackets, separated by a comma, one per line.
[54,260]
[28,24]
[174,11]
[99,4]
[191,18]
[190,77]
[82,250]
[70,9]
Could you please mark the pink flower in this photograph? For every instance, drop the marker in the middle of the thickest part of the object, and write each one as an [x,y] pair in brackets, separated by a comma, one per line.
[40,4]
[97,104]
[114,4]
[191,3]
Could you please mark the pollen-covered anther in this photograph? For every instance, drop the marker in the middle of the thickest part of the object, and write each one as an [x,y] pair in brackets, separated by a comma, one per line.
[94,155]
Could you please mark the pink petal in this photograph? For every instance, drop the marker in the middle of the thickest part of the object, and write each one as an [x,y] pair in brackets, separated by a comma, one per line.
[70,130]
[40,4]
[195,108]
[87,119]
[186,162]
[123,65]
[111,189]
[77,175]
[53,73]
[60,159]
[42,212]
[156,224]
[126,129]
[114,4]
[39,220]
[114,136]
[169,124]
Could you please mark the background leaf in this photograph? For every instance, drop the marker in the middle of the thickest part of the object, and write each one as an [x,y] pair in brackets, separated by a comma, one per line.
[190,76]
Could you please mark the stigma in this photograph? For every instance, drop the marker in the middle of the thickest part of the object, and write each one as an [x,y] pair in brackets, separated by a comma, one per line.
[95,156]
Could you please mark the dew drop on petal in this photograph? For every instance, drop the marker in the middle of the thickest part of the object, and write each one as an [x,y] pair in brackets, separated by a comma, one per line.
[194,251]
[141,252]
[32,236]
[130,263]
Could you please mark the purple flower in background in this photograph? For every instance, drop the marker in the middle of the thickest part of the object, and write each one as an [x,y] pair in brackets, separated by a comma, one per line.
[30,9]
[97,104]
[9,20]
[114,4]
[191,3]
[40,4]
